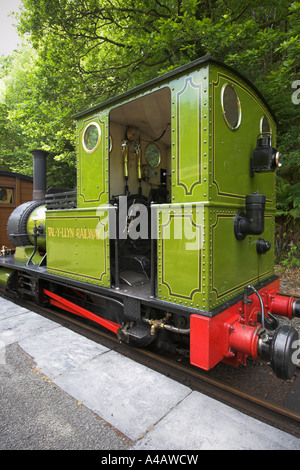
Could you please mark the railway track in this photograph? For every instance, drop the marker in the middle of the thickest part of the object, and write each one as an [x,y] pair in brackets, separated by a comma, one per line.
[261,409]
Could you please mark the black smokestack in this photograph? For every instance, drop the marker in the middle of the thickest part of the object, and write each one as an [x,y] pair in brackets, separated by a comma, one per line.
[39,174]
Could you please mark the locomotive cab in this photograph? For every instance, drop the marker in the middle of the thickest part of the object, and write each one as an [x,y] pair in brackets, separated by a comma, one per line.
[170,239]
[139,176]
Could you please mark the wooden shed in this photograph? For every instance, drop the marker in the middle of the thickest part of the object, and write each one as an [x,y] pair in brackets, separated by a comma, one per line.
[14,190]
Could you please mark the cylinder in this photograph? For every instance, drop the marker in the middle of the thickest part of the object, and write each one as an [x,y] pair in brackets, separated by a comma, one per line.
[281,305]
[39,174]
[6,275]
[244,339]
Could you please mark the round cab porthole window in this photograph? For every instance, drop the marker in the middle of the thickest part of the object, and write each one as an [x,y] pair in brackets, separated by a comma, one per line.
[265,125]
[231,107]
[152,155]
[91,137]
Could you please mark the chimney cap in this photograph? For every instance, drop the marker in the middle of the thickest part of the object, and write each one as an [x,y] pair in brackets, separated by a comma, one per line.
[39,151]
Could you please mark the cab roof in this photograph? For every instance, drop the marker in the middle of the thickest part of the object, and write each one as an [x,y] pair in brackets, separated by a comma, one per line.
[167,76]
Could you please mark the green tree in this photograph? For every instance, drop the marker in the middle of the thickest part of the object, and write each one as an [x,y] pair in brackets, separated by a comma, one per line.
[90,50]
[27,123]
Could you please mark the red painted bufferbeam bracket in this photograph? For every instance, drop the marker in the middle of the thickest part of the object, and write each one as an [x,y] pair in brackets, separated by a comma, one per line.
[65,304]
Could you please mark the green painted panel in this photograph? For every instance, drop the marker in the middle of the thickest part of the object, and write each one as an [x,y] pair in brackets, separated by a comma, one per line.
[92,180]
[78,245]
[188,135]
[190,103]
[236,263]
[180,254]
[200,262]
[232,149]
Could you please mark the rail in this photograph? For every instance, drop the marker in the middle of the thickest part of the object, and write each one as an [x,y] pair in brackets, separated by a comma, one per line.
[261,409]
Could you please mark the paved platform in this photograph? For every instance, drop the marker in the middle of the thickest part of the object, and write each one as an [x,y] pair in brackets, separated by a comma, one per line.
[59,390]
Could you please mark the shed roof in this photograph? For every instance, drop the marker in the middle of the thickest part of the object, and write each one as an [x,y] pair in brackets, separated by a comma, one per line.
[15,175]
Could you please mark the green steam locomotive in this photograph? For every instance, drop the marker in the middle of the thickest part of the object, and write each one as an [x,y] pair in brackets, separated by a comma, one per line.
[168,239]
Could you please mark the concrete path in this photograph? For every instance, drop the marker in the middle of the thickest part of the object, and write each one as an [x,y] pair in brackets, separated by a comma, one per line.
[60,390]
